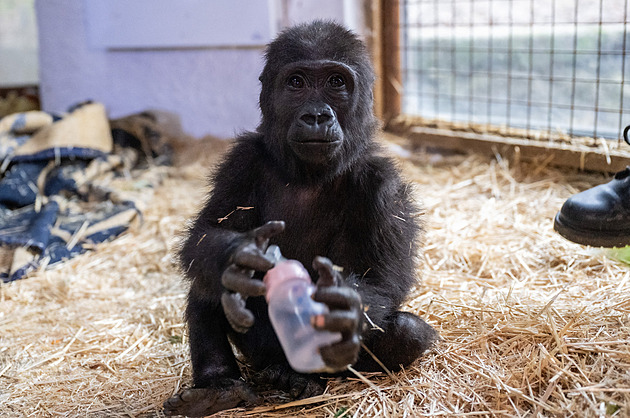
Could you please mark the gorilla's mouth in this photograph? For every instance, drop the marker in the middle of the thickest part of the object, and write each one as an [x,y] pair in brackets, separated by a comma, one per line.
[323,141]
[316,150]
[323,137]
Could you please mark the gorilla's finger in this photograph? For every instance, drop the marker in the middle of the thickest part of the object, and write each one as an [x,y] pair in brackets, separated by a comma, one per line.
[343,298]
[198,402]
[240,281]
[313,388]
[239,317]
[326,272]
[340,355]
[251,257]
[268,230]
[235,392]
[304,386]
[336,321]
[270,375]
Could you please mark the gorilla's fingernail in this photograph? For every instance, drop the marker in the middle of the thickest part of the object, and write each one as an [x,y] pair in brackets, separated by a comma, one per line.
[318,321]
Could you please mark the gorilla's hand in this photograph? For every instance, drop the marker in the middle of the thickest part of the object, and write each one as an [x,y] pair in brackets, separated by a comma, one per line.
[249,256]
[344,317]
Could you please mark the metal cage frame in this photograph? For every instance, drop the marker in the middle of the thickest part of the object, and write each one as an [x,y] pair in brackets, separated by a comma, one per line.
[528,92]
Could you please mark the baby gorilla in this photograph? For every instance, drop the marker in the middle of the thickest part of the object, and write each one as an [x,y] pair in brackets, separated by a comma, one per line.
[312,181]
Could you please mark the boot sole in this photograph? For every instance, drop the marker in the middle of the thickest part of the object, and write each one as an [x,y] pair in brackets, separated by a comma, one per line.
[594,238]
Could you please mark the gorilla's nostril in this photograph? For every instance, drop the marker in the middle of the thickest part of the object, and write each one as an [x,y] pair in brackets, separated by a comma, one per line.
[319,118]
[309,119]
[323,118]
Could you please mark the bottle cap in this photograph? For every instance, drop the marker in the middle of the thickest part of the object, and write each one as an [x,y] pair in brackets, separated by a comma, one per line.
[274,255]
[282,272]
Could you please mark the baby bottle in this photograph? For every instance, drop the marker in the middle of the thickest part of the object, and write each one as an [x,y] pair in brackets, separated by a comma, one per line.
[289,290]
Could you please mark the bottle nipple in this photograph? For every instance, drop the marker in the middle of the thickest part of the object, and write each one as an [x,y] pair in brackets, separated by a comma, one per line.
[283,271]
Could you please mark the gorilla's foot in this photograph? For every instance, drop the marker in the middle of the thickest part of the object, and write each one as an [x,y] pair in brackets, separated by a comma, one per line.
[199,402]
[283,377]
[406,337]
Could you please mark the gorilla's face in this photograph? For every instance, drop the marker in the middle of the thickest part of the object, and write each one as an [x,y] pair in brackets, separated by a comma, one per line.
[316,100]
[312,99]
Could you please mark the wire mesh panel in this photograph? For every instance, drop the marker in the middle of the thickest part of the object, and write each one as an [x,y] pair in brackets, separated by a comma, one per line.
[542,66]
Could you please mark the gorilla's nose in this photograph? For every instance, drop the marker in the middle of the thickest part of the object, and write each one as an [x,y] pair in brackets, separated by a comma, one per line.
[318,117]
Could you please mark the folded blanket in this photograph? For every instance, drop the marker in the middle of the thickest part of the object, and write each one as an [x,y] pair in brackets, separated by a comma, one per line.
[67,183]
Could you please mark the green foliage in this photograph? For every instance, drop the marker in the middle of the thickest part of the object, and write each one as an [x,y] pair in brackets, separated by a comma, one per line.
[175,339]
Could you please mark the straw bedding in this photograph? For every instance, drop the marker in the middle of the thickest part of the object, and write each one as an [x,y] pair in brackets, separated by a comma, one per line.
[530,323]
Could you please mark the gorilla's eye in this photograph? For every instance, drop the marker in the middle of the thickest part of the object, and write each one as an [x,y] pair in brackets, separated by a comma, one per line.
[296,82]
[336,81]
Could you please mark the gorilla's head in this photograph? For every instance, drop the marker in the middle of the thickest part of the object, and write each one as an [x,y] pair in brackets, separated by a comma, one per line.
[316,99]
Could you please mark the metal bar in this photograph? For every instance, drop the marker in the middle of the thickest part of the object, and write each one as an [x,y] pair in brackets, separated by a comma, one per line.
[490,55]
[552,39]
[436,52]
[453,59]
[519,76]
[530,69]
[542,51]
[599,66]
[471,65]
[533,103]
[445,96]
[517,24]
[623,71]
[574,66]
[510,47]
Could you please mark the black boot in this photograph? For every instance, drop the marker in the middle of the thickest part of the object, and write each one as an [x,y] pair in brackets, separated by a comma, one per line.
[600,216]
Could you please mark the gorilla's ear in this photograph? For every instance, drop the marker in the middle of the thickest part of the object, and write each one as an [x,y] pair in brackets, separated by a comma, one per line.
[260,78]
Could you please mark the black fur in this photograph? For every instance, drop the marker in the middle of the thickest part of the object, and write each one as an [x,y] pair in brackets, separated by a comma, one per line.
[351,207]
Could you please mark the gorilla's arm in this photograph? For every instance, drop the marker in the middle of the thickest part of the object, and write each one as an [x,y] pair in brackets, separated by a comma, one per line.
[378,256]
[225,246]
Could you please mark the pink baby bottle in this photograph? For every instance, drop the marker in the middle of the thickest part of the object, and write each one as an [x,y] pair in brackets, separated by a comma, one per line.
[291,309]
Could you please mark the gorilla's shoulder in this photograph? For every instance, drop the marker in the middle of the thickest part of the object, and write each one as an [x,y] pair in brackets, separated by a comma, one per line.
[248,145]
[243,158]
[247,149]
[378,174]
[382,167]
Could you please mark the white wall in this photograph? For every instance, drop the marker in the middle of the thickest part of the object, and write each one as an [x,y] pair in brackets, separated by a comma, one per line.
[200,74]
[18,43]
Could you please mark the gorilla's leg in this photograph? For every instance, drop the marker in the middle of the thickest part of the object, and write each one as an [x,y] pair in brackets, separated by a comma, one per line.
[283,377]
[200,402]
[215,373]
[406,336]
[268,364]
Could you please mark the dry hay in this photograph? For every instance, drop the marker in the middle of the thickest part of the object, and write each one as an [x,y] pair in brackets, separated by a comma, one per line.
[530,323]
